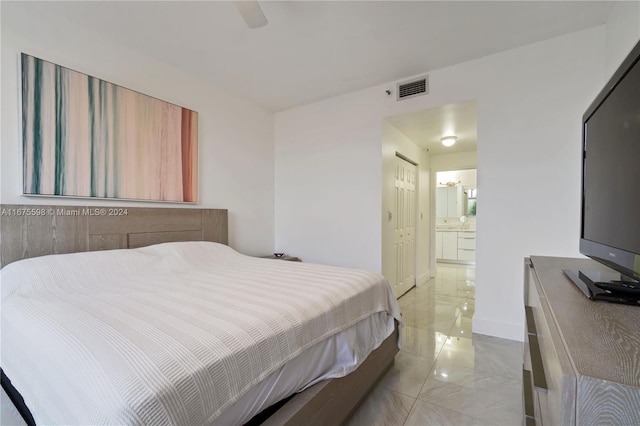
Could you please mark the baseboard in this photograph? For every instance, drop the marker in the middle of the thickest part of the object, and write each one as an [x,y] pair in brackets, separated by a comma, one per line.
[500,329]
[422,279]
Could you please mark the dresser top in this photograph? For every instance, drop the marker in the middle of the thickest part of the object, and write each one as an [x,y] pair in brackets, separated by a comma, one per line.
[601,338]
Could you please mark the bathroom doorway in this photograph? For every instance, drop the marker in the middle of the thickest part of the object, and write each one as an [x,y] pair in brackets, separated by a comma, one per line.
[456,208]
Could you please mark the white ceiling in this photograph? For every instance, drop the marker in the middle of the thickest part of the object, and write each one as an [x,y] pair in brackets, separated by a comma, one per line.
[312,50]
[427,127]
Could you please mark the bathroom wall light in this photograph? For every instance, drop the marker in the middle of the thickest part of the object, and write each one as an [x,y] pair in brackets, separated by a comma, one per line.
[448,140]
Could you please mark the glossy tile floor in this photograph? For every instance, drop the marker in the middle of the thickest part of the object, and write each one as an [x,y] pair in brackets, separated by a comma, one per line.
[444,374]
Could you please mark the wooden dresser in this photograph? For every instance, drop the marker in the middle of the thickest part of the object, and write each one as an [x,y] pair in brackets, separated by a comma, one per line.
[581,358]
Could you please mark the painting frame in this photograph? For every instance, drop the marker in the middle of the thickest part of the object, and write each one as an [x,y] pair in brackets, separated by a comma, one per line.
[84,137]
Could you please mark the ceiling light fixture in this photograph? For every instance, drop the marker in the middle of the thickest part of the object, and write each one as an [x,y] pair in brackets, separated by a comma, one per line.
[448,140]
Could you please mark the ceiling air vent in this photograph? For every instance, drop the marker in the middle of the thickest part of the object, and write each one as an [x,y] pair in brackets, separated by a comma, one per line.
[413,88]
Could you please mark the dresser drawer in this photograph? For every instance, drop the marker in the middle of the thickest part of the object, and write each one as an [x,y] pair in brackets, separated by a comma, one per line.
[555,387]
[530,401]
[587,351]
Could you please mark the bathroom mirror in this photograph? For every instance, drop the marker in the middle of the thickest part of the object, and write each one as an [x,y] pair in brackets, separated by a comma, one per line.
[456,194]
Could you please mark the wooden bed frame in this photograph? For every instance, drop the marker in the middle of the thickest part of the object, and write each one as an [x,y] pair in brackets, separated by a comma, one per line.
[34,230]
[37,230]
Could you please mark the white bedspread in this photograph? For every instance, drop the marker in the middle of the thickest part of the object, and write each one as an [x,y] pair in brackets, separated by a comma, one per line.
[167,334]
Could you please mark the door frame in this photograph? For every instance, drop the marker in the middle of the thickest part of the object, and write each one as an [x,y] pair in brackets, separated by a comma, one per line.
[433,173]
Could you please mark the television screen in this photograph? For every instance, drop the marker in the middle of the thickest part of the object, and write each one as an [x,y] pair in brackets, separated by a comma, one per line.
[611,210]
[610,232]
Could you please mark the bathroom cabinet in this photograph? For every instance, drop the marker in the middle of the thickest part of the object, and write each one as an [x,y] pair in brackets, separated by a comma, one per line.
[456,246]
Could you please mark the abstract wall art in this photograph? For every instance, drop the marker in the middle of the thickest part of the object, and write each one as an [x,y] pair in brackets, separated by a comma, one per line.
[85,137]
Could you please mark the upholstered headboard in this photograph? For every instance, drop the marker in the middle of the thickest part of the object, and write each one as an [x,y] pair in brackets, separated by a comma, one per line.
[37,230]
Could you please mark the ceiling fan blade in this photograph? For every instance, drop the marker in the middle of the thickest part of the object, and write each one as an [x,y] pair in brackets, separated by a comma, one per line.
[251,13]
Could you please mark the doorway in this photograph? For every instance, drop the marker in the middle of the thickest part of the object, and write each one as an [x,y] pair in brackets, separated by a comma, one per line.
[456,206]
[425,137]
[404,215]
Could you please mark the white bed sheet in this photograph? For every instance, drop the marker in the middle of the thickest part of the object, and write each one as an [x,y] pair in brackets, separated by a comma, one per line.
[168,334]
[9,415]
[334,357]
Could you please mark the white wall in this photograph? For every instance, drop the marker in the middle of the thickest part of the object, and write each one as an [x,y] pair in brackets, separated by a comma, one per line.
[466,178]
[328,181]
[622,33]
[528,142]
[395,141]
[235,137]
[455,161]
[530,102]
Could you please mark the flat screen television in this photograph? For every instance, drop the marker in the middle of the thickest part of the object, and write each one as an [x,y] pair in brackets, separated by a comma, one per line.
[610,223]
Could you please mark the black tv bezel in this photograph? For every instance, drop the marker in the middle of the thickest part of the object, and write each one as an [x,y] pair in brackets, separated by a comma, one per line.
[625,262]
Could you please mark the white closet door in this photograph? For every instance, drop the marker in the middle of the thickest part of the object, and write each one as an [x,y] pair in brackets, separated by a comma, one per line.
[405,226]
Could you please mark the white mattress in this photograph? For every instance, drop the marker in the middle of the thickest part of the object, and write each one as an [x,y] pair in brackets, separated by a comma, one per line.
[170,334]
[334,357]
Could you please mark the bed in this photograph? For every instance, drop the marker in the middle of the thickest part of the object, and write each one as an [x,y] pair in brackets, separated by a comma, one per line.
[181,329]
